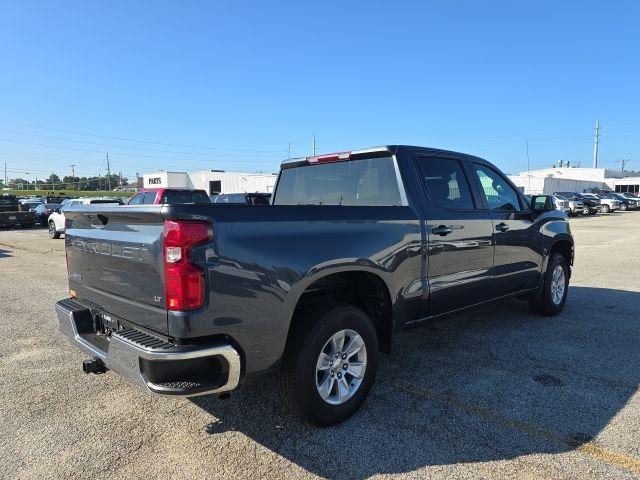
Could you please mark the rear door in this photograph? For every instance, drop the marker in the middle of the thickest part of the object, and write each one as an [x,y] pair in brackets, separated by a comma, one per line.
[459,235]
[114,261]
[518,245]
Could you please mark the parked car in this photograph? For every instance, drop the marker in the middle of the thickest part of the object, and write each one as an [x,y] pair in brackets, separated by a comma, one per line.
[576,205]
[606,204]
[629,203]
[57,219]
[31,199]
[623,203]
[43,211]
[30,204]
[248,198]
[631,196]
[170,196]
[591,205]
[560,204]
[13,214]
[354,248]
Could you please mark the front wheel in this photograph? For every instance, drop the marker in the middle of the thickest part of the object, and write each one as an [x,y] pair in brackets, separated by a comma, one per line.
[330,364]
[623,207]
[604,209]
[52,231]
[555,288]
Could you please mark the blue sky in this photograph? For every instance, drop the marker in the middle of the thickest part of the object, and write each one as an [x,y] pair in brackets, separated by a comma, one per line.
[198,85]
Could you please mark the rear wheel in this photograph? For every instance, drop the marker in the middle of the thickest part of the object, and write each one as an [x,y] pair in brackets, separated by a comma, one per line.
[623,207]
[52,231]
[604,209]
[555,288]
[330,365]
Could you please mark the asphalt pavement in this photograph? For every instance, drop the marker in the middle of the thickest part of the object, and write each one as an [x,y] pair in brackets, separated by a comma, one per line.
[494,393]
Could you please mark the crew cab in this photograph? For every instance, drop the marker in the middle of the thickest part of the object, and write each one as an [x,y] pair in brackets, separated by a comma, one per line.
[354,248]
[159,196]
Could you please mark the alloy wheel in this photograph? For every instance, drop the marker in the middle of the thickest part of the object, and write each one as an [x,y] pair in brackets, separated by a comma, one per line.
[341,367]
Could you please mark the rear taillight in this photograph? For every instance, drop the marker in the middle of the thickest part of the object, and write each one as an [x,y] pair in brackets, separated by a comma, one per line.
[184,281]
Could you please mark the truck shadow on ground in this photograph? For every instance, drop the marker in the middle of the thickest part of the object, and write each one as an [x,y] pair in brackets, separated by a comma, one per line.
[494,384]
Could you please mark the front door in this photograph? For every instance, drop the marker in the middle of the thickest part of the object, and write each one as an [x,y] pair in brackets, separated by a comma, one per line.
[459,236]
[517,263]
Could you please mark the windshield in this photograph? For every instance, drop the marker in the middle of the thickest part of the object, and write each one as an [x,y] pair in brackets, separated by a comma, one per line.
[370,181]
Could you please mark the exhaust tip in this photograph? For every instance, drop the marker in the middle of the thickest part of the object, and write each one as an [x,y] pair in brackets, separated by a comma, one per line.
[93,365]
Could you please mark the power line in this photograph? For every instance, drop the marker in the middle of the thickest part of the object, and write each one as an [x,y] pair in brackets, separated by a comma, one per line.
[125,154]
[119,146]
[137,140]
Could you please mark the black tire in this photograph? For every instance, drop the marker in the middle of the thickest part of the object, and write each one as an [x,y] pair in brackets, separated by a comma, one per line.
[543,303]
[623,207]
[604,209]
[298,377]
[52,231]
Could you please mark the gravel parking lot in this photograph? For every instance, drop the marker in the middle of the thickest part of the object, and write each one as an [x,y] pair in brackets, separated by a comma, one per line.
[497,393]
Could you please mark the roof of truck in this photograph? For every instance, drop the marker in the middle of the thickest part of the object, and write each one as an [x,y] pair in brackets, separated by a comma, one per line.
[392,149]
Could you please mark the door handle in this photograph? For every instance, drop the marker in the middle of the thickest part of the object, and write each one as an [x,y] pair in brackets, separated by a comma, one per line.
[502,227]
[441,230]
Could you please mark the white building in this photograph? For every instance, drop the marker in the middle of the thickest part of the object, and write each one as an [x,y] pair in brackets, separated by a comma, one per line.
[572,179]
[212,181]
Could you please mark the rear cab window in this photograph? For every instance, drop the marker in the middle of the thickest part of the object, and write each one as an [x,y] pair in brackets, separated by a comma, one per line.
[177,196]
[358,182]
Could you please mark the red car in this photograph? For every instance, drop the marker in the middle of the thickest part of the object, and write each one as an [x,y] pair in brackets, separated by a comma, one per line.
[158,196]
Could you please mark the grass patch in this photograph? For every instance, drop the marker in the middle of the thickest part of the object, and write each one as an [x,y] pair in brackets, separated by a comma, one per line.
[66,193]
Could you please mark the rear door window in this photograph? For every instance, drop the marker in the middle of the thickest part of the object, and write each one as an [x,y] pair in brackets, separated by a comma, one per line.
[363,182]
[445,182]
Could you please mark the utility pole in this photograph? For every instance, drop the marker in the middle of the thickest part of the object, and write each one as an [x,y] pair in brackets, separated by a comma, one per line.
[73,178]
[596,139]
[623,162]
[314,145]
[108,173]
[120,181]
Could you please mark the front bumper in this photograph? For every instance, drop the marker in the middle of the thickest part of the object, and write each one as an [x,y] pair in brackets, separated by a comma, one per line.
[155,364]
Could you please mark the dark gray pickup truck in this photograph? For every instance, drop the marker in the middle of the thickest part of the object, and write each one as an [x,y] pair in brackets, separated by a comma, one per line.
[354,248]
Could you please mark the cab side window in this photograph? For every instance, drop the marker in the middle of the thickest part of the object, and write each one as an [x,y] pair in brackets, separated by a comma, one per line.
[445,182]
[496,190]
[137,199]
[149,198]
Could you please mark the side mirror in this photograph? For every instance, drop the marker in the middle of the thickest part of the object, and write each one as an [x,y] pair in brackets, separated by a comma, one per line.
[542,203]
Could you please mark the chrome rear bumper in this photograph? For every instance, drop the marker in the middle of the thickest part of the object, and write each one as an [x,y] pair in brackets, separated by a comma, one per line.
[141,357]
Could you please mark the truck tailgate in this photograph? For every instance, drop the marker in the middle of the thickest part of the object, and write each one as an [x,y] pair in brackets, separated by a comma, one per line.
[114,261]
